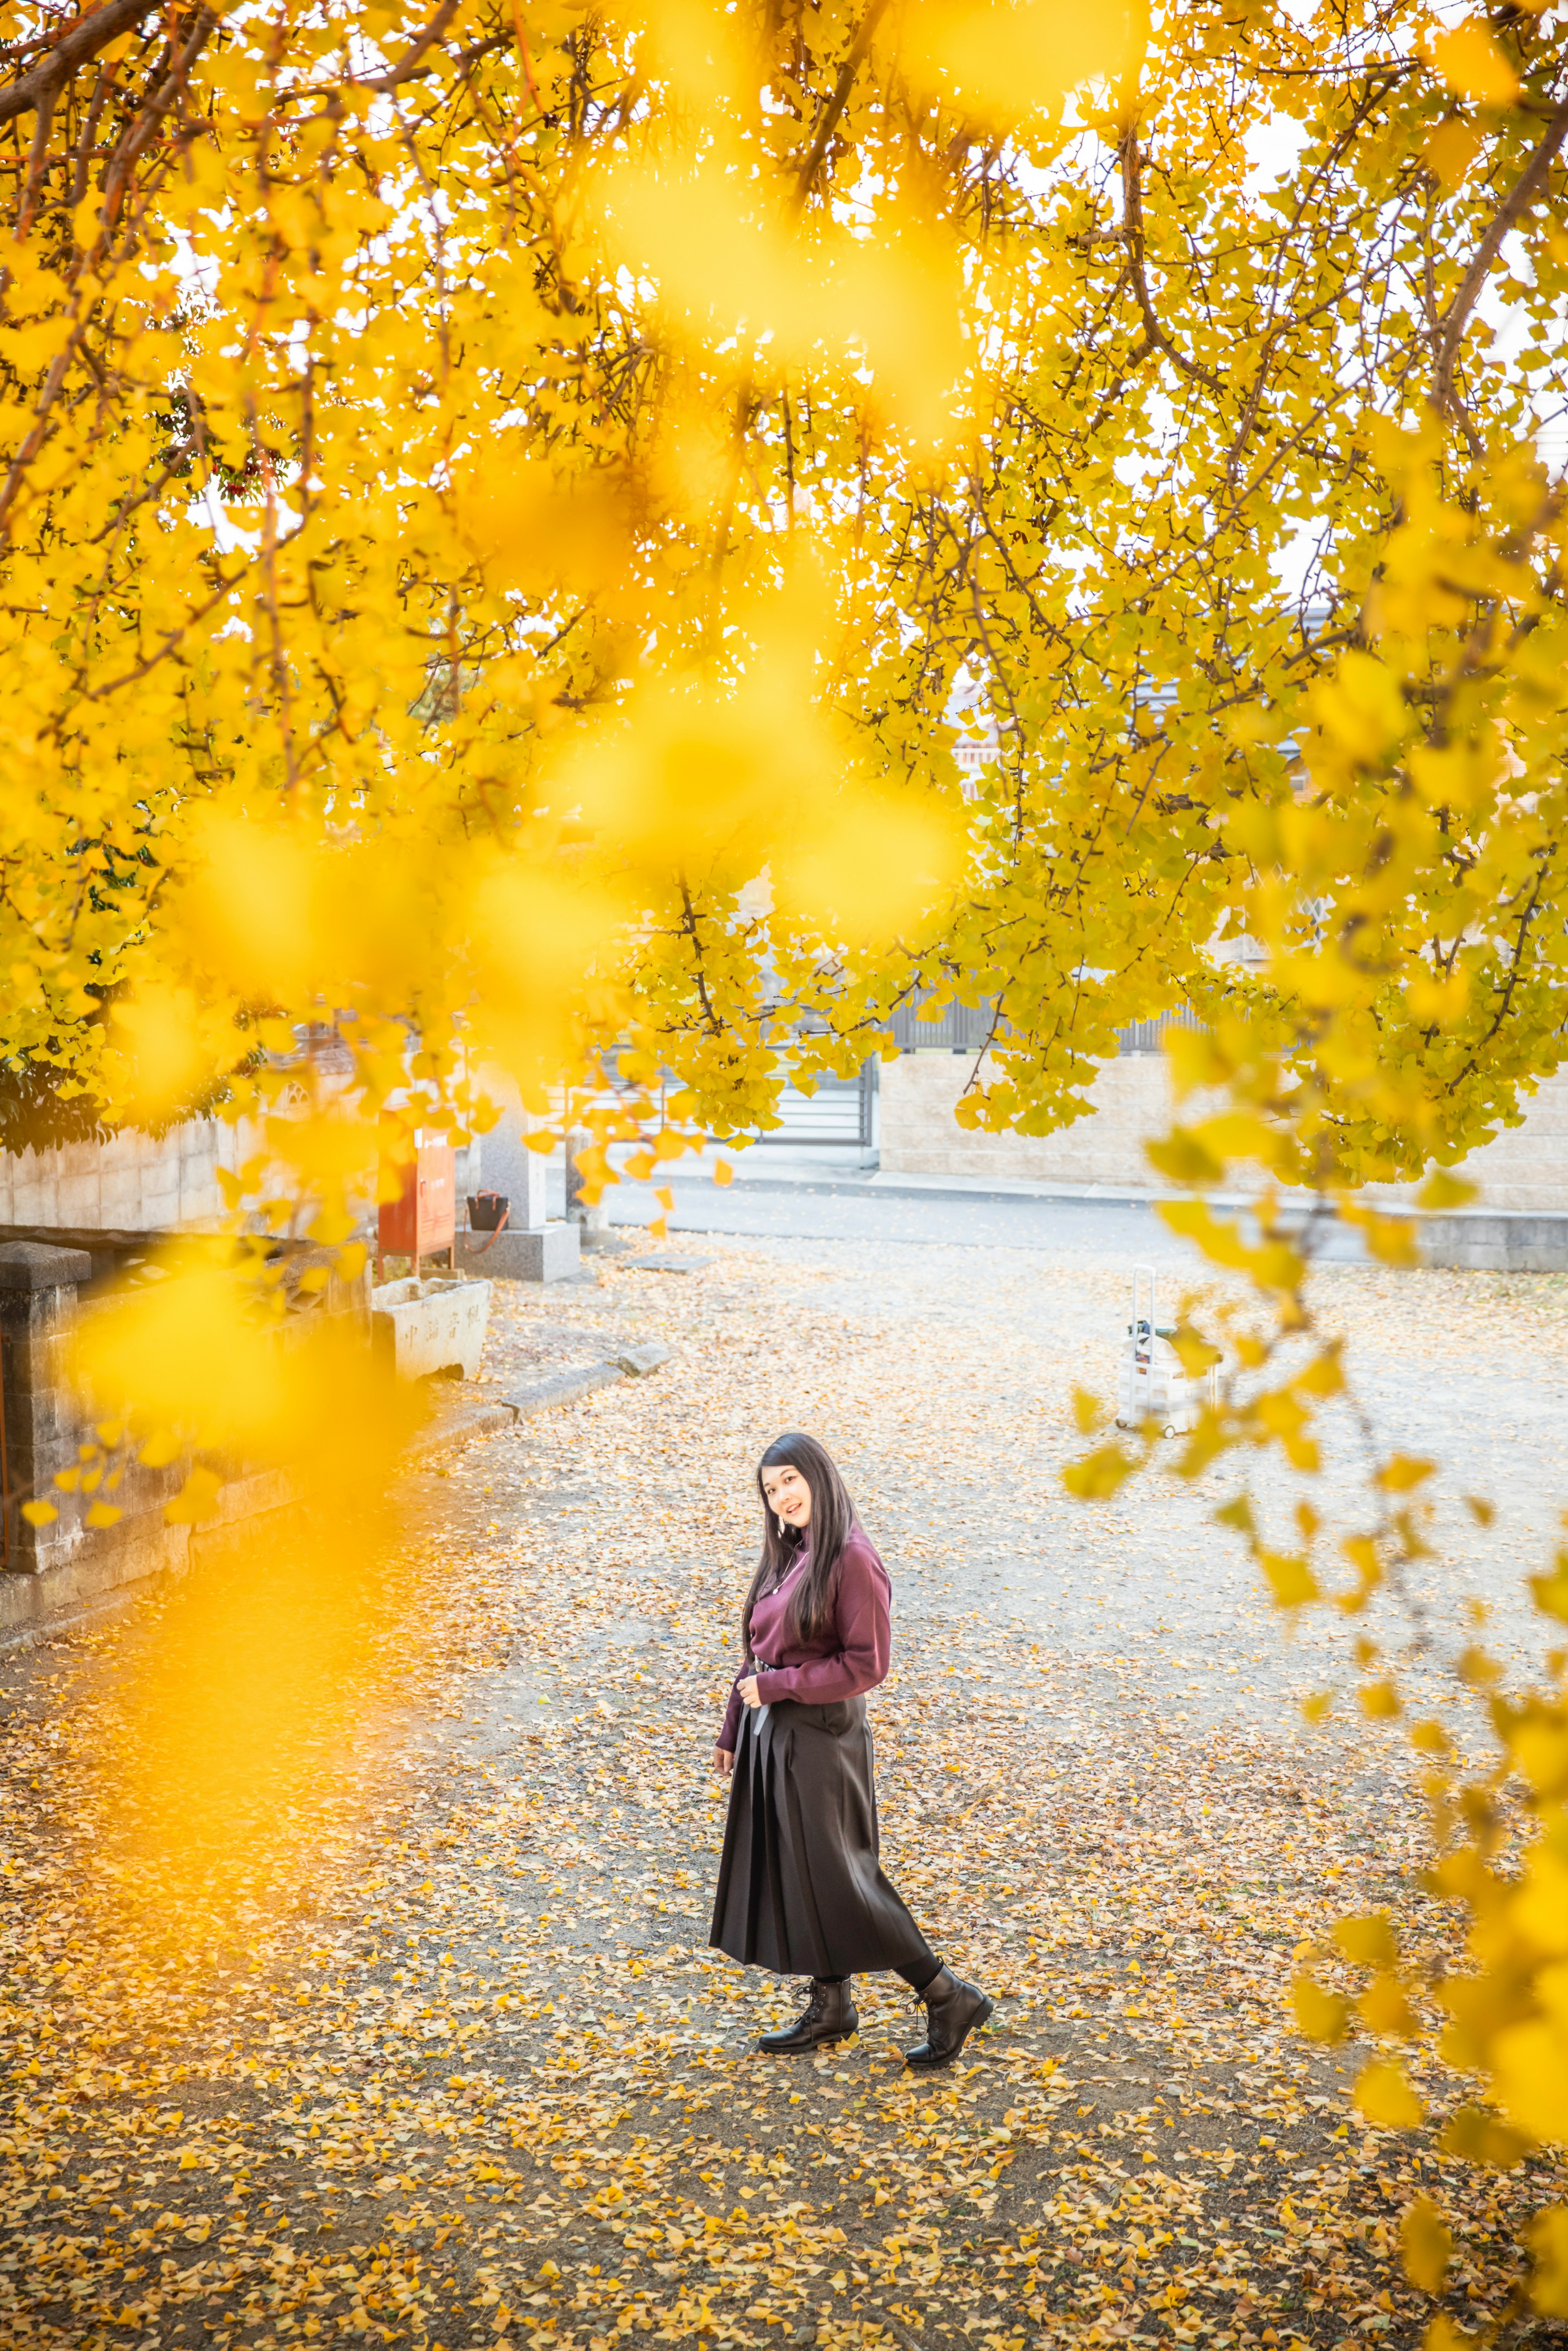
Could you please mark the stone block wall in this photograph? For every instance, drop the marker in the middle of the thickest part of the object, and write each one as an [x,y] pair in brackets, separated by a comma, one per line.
[62,1563]
[40,1418]
[1525,1168]
[146,1184]
[133,1183]
[920,1136]
[65,1565]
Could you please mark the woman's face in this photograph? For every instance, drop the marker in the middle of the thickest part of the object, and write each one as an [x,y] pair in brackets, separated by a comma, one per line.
[788,1494]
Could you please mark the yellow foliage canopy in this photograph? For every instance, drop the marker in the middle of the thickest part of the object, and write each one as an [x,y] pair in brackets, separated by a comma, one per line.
[488,486]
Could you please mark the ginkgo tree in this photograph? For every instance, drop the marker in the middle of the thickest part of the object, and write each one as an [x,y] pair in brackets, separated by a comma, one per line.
[486,485]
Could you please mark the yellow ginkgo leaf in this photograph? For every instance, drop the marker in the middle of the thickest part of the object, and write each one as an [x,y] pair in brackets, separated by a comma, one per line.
[1471,62]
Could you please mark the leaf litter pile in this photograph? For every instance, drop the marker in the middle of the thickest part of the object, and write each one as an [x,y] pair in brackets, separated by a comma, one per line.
[356,1969]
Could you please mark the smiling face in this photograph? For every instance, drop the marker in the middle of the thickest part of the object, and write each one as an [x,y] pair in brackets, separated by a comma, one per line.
[787,1494]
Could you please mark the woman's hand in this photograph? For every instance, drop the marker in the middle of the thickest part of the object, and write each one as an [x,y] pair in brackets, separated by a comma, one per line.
[723,1762]
[750,1693]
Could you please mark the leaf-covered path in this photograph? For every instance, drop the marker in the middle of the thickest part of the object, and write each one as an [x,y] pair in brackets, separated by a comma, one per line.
[359,1987]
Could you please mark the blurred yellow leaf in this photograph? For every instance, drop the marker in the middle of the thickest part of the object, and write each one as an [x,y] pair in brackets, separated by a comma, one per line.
[1088,1411]
[1367,1939]
[1548,2238]
[1004,60]
[1320,2015]
[1530,2075]
[534,529]
[1477,2137]
[1426,2244]
[1392,1239]
[1539,1750]
[1451,149]
[1184,1158]
[1540,1908]
[1291,1580]
[195,1498]
[1384,2008]
[1471,61]
[1099,1474]
[1196,1354]
[1386,2097]
[1402,1472]
[1442,1190]
[1550,1591]
[166,1043]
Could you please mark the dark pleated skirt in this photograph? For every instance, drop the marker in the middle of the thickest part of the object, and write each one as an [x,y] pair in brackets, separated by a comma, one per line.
[800,1888]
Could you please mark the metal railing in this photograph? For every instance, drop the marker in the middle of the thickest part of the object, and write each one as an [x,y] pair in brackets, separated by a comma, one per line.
[1148,1036]
[839,1111]
[959,1029]
[966,1028]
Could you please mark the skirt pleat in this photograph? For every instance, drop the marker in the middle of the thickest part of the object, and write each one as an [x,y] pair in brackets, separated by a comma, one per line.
[800,1886]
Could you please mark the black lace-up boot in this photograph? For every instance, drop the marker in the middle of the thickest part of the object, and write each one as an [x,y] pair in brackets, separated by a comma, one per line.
[829,2015]
[953,2009]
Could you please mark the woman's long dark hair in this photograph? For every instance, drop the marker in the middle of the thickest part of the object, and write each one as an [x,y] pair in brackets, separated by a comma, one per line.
[833,1517]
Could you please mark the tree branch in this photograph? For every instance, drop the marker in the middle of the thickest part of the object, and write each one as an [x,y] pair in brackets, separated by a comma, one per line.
[840,99]
[461,61]
[38,160]
[139,134]
[1518,200]
[409,64]
[83,41]
[1154,335]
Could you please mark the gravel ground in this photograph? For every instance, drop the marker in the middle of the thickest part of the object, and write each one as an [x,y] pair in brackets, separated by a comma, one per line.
[362,1986]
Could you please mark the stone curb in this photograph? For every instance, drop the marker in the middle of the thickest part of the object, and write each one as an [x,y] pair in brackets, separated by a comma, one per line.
[1473,1240]
[476,1420]
[564,1387]
[635,1361]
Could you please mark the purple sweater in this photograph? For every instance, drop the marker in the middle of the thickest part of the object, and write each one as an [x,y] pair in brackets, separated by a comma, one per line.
[849,1655]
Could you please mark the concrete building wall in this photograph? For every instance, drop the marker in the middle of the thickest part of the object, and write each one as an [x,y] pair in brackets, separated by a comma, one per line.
[1526,1168]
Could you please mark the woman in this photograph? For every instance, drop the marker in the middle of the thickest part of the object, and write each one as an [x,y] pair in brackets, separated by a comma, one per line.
[799,1886]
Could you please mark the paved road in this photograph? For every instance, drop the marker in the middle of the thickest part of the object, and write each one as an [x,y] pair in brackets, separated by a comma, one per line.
[840,1203]
[476,2046]
[1465,1368]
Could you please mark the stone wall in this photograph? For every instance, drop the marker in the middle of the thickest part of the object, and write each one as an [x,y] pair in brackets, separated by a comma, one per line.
[1525,1168]
[66,1564]
[138,1182]
[921,1137]
[133,1183]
